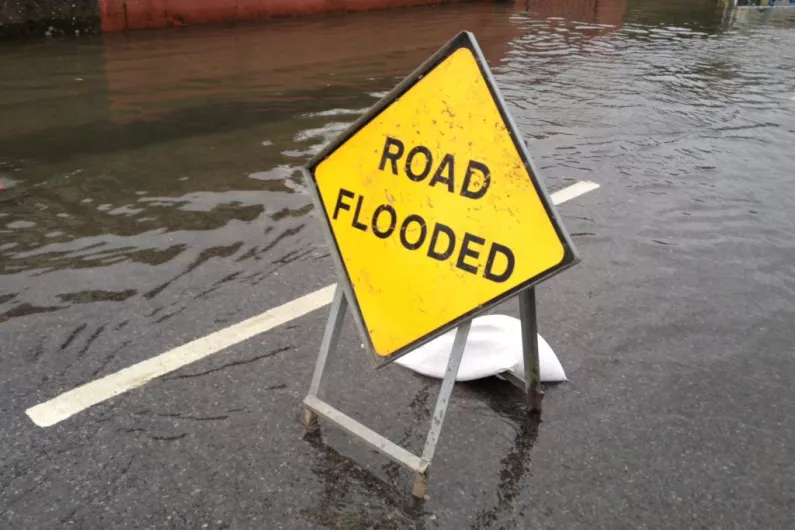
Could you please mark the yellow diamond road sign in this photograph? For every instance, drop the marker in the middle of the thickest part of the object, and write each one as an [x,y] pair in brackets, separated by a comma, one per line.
[432,205]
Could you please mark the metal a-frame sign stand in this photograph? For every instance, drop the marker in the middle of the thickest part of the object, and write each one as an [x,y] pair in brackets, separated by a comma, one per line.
[314,404]
[345,298]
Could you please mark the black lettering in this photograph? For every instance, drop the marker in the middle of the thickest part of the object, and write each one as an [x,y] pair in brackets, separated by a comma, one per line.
[488,273]
[341,205]
[392,156]
[377,213]
[467,252]
[435,254]
[404,228]
[356,223]
[447,162]
[418,177]
[466,191]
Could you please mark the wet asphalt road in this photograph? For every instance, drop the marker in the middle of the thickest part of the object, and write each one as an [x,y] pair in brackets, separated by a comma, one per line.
[140,215]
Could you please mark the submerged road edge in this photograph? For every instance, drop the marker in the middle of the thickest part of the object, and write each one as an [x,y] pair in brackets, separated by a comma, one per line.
[74,401]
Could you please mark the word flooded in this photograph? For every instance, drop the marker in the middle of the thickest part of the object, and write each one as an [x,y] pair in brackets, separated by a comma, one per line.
[437,240]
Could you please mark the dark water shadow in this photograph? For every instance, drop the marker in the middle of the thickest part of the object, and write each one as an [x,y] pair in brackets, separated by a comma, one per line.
[507,402]
[353,498]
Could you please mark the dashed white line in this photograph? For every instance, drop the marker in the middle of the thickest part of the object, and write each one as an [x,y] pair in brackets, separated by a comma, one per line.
[79,399]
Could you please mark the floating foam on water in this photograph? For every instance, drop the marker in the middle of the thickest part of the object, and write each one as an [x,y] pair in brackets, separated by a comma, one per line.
[335,112]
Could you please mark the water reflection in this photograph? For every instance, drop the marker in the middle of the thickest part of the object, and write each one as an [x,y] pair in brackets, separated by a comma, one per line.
[508,403]
[353,498]
[169,159]
[142,157]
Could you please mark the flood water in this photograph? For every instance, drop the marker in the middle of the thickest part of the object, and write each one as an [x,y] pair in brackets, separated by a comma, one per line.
[124,156]
[151,193]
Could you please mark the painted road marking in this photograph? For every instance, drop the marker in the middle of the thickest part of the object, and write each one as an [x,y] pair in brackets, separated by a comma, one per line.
[573,191]
[76,400]
[79,399]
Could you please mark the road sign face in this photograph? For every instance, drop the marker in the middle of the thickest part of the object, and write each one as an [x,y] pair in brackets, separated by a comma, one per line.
[433,207]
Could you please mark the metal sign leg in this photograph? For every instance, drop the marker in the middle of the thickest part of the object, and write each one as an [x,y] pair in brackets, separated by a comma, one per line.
[532,381]
[331,335]
[421,481]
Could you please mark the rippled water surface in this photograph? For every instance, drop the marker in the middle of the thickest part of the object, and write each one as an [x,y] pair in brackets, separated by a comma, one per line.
[151,194]
[129,161]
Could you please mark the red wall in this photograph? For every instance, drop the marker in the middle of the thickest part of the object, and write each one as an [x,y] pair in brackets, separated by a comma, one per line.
[119,15]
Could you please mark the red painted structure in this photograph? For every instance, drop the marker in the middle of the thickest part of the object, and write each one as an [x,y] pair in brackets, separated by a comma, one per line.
[119,15]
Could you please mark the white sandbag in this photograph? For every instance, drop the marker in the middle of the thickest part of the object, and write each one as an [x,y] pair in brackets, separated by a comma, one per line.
[494,346]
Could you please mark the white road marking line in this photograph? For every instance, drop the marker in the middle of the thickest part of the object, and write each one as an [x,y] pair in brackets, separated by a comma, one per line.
[79,399]
[573,191]
[74,401]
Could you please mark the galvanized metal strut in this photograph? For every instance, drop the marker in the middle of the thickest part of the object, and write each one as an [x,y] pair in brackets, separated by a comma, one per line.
[315,405]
